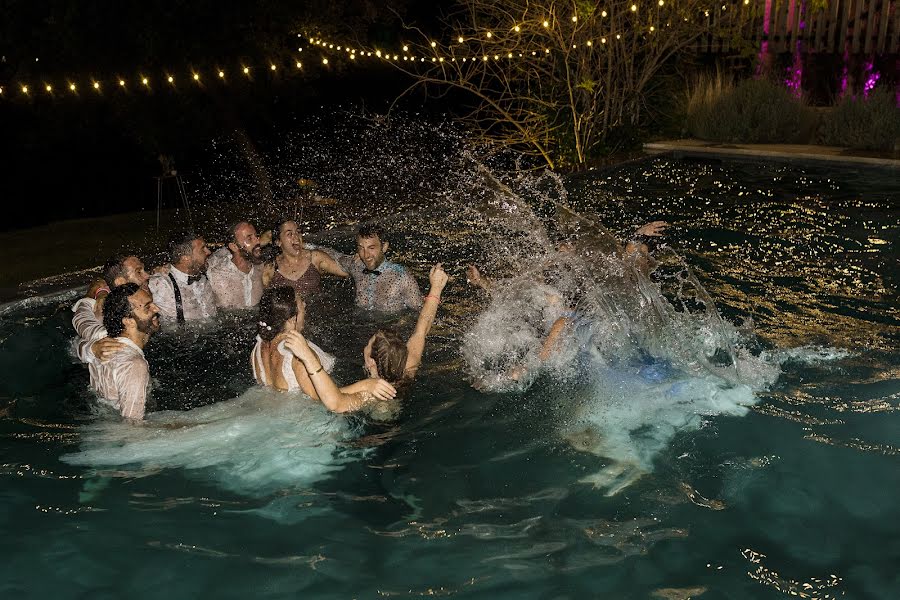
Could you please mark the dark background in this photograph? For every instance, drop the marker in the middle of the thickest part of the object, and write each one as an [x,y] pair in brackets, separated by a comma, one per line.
[76,155]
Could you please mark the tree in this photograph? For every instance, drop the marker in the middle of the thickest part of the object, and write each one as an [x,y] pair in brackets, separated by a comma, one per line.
[553,79]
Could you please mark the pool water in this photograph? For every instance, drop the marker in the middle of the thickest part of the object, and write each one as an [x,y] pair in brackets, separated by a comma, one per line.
[780,481]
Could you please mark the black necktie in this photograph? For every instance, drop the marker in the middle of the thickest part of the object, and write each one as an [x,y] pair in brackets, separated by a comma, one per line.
[192,279]
[371,272]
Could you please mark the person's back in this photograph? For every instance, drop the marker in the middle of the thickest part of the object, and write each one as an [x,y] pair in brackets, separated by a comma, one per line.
[123,380]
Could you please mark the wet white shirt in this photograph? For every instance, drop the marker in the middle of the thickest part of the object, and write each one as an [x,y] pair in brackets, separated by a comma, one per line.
[198,300]
[232,287]
[124,380]
[89,329]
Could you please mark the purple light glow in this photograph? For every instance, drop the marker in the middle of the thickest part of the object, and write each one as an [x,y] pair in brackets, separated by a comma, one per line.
[872,76]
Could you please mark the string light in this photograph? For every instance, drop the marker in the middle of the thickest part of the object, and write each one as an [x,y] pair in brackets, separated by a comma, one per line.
[121,83]
[221,74]
[662,2]
[24,89]
[517,29]
[634,8]
[96,85]
[324,61]
[273,67]
[49,88]
[72,86]
[603,14]
[145,81]
[590,43]
[433,44]
[574,18]
[546,23]
[246,70]
[460,39]
[299,65]
[406,48]
[170,79]
[196,76]
[489,34]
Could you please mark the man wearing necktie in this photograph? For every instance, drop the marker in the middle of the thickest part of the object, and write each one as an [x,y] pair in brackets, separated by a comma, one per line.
[380,284]
[183,292]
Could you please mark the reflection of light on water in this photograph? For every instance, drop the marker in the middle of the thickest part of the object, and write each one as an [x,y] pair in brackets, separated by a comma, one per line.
[814,588]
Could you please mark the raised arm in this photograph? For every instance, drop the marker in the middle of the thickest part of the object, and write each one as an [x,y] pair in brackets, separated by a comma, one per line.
[474,277]
[416,344]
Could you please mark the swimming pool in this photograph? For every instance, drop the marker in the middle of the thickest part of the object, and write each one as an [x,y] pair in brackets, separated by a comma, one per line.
[478,494]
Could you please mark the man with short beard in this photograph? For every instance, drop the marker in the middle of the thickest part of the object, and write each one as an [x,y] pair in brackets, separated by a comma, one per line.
[183,292]
[130,317]
[236,270]
[88,311]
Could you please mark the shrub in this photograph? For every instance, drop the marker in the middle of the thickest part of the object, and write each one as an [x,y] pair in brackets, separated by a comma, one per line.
[871,123]
[751,111]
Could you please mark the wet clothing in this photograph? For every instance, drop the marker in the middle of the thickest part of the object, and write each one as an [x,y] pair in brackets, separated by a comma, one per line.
[123,381]
[387,288]
[306,284]
[232,287]
[287,368]
[197,298]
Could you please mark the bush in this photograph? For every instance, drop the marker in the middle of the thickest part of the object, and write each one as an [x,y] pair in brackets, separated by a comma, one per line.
[751,111]
[871,123]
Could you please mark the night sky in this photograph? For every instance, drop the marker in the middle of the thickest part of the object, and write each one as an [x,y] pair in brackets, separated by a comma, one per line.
[89,153]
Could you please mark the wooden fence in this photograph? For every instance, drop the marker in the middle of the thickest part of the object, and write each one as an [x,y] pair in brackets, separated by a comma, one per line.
[854,26]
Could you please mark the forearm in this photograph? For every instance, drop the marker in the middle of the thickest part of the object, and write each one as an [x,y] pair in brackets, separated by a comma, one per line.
[429,311]
[335,399]
[552,341]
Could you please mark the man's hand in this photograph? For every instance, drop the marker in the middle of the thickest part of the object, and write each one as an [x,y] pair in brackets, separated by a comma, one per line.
[105,348]
[653,229]
[474,277]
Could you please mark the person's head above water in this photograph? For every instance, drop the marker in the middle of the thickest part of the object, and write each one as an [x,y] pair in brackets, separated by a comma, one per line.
[129,310]
[289,238]
[125,268]
[280,309]
[385,356]
[371,245]
[188,252]
[244,242]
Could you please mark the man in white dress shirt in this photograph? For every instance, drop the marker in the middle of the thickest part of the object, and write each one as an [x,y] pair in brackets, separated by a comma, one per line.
[88,311]
[235,270]
[131,317]
[183,292]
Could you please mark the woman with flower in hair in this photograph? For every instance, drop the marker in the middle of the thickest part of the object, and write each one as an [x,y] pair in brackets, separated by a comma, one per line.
[281,312]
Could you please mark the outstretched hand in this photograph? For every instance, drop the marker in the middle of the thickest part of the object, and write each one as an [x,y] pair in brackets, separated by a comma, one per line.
[652,229]
[437,277]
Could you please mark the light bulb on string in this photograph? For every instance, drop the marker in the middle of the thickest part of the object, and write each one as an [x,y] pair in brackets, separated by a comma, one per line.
[489,34]
[634,8]
[121,83]
[273,67]
[72,87]
[603,14]
[246,70]
[49,88]
[406,48]
[574,18]
[299,65]
[196,76]
[24,89]
[324,61]
[546,23]
[221,74]
[517,29]
[96,85]
[460,39]
[433,44]
[144,80]
[170,79]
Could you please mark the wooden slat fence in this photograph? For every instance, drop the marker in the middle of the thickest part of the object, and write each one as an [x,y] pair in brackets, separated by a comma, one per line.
[855,26]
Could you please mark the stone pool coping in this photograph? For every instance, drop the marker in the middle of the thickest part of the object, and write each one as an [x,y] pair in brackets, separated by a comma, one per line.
[788,152]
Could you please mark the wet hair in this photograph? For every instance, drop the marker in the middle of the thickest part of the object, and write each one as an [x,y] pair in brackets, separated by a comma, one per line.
[371,230]
[114,267]
[276,306]
[181,244]
[389,352]
[233,227]
[117,307]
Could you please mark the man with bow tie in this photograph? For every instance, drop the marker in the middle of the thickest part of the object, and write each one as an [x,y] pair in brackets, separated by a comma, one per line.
[183,292]
[380,284]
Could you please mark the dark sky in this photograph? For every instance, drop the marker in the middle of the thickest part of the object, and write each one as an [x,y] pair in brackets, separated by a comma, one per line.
[88,153]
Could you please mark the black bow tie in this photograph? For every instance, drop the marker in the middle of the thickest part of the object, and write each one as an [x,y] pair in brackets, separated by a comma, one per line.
[371,272]
[192,279]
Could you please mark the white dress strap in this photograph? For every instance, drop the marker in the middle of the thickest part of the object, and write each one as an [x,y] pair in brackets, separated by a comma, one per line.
[259,374]
[287,368]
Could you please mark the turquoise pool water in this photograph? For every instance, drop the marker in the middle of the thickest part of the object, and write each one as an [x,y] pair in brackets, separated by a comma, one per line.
[787,488]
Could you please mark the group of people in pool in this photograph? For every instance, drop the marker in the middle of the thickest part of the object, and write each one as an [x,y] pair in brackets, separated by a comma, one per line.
[127,305]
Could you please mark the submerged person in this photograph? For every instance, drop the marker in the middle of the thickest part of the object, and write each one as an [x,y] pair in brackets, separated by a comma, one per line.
[182,292]
[235,271]
[131,317]
[562,320]
[282,311]
[386,356]
[297,266]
